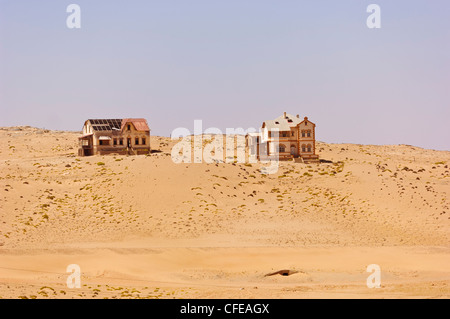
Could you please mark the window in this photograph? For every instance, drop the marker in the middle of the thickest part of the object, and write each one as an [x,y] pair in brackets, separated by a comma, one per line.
[121,141]
[306,122]
[103,142]
[303,148]
[281,148]
[309,147]
[136,141]
[308,133]
[143,141]
[292,133]
[115,141]
[303,133]
[129,127]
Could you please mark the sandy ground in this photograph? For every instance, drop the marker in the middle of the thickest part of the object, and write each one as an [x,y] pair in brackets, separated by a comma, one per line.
[145,227]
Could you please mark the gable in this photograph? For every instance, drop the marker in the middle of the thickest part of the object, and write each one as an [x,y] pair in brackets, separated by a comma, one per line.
[138,124]
[306,120]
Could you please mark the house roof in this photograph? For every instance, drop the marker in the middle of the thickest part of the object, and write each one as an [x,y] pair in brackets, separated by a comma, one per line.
[86,136]
[282,123]
[139,124]
[105,124]
[254,134]
[100,125]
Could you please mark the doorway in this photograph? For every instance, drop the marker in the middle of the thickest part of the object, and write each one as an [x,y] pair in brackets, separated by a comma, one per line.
[293,150]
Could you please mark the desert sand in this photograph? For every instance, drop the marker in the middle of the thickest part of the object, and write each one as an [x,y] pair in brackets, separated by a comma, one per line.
[145,227]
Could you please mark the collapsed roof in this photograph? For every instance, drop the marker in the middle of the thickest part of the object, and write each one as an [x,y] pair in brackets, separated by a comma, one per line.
[283,122]
[118,124]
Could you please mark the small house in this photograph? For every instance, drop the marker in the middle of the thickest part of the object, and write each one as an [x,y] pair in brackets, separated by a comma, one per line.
[115,136]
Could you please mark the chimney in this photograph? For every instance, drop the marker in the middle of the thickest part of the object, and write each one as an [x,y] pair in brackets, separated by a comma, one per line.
[298,116]
[284,114]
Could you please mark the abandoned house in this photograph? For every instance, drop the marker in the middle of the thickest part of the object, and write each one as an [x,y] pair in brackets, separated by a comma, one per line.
[288,136]
[114,136]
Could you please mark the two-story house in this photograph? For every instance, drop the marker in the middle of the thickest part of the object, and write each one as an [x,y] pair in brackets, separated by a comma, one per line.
[287,137]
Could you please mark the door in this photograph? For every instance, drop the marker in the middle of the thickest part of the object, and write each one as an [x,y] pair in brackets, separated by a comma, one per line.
[129,142]
[293,150]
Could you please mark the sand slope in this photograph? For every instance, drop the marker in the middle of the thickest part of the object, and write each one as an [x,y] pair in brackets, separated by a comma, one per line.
[143,226]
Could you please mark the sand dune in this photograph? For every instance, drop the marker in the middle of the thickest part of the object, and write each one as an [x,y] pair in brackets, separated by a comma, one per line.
[145,227]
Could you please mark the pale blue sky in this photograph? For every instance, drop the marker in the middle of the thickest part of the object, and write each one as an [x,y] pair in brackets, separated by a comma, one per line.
[232,63]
